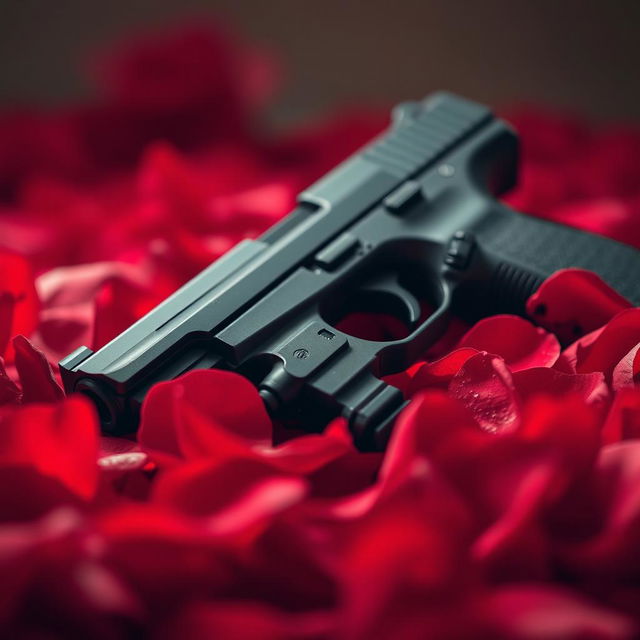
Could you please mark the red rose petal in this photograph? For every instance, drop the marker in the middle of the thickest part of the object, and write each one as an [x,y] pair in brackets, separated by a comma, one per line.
[537,612]
[60,441]
[117,306]
[576,352]
[238,498]
[311,452]
[516,340]
[69,286]
[512,496]
[573,302]
[440,372]
[9,392]
[623,421]
[612,550]
[163,555]
[380,587]
[7,304]
[36,376]
[219,415]
[434,426]
[618,337]
[209,529]
[206,395]
[125,467]
[566,424]
[591,386]
[19,304]
[243,620]
[485,386]
[627,372]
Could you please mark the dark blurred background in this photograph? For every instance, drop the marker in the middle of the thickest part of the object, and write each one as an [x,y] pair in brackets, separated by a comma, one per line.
[578,55]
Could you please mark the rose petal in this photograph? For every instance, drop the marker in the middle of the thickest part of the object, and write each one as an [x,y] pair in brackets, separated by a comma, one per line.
[440,372]
[485,386]
[567,425]
[244,620]
[389,594]
[9,392]
[207,396]
[238,498]
[610,552]
[516,340]
[60,441]
[19,304]
[591,386]
[219,415]
[434,426]
[7,304]
[512,496]
[535,612]
[36,376]
[573,302]
[618,337]
[623,421]
[627,372]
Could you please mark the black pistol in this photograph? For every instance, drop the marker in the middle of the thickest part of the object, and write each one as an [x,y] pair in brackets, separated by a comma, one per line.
[409,226]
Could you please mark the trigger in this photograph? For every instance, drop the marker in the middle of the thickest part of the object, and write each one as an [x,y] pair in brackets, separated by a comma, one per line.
[398,300]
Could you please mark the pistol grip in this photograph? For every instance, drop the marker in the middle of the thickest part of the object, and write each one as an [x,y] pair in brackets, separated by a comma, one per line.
[516,252]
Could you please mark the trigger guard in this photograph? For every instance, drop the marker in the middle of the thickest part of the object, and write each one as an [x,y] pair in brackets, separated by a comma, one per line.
[408,303]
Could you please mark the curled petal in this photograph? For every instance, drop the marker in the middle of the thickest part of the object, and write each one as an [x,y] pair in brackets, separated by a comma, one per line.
[36,376]
[516,340]
[311,452]
[485,386]
[201,398]
[440,372]
[627,372]
[576,351]
[219,415]
[573,302]
[615,341]
[591,386]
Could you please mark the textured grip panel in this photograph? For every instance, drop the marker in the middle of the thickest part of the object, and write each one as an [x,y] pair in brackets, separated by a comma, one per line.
[510,287]
[520,244]
[442,122]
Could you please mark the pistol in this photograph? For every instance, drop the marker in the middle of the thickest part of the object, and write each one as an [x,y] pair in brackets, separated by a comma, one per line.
[409,226]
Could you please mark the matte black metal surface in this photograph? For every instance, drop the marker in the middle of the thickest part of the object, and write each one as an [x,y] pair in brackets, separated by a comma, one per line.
[408,223]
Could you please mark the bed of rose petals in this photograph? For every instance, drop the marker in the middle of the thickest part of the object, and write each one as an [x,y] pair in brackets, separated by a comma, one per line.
[507,504]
